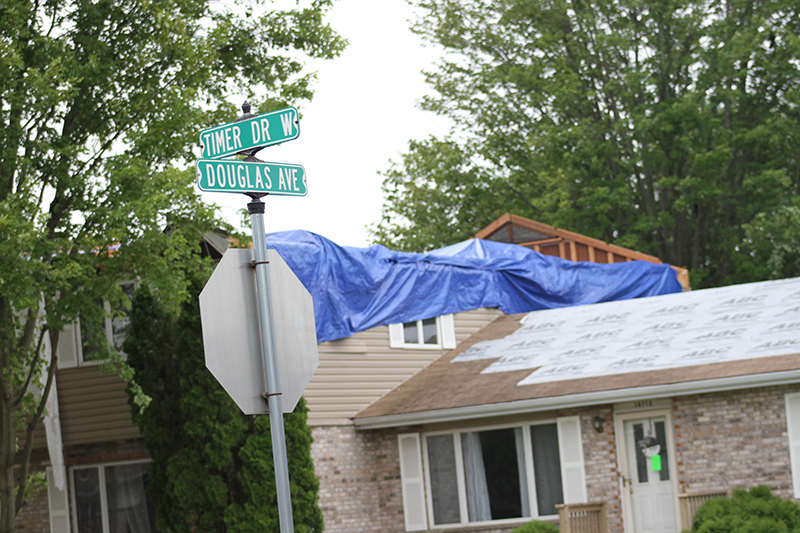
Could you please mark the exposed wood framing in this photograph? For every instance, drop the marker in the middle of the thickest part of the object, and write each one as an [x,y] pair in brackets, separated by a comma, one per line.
[576,242]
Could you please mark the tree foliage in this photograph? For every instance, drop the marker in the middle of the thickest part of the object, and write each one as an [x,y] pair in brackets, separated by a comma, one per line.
[212,466]
[101,102]
[442,191]
[667,127]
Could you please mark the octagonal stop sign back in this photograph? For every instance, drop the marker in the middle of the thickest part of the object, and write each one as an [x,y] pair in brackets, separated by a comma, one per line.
[232,331]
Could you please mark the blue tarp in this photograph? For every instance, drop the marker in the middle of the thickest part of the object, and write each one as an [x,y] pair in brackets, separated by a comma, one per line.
[355,289]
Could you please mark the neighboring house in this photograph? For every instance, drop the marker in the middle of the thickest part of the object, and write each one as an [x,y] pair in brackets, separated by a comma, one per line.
[358,470]
[642,405]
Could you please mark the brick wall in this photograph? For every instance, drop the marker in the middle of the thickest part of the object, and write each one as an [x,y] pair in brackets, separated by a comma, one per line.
[105,452]
[35,515]
[359,475]
[600,462]
[733,439]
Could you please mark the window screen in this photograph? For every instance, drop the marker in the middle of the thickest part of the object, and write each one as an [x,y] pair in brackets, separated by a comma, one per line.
[444,484]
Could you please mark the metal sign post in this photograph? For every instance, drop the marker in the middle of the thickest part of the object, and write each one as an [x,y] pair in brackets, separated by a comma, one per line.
[246,136]
[274,400]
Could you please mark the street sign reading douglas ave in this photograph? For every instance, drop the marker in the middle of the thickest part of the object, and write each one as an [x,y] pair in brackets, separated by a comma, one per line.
[251,177]
[255,132]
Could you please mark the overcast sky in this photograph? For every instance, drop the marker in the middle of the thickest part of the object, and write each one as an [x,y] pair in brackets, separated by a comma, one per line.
[363,114]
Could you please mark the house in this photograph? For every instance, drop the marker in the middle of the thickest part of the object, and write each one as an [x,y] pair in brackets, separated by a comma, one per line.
[641,405]
[358,469]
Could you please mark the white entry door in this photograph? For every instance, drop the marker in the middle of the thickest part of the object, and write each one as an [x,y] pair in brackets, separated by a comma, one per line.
[648,482]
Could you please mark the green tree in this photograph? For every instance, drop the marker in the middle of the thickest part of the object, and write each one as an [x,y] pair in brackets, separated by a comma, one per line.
[100,105]
[438,188]
[774,239]
[662,126]
[212,466]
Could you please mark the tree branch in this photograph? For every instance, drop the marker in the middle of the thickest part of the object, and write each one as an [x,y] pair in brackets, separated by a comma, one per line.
[34,422]
[34,365]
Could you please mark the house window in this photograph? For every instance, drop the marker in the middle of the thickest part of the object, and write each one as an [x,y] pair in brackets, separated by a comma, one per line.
[429,333]
[112,498]
[422,332]
[110,328]
[511,473]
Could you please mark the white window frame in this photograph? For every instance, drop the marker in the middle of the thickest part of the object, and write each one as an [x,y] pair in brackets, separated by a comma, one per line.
[569,493]
[792,400]
[445,335]
[71,346]
[101,481]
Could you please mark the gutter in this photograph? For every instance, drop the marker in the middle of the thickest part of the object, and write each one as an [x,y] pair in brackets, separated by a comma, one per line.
[579,400]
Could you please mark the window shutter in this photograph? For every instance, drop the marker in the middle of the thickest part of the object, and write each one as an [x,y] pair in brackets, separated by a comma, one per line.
[396,336]
[570,448]
[448,332]
[59,508]
[793,427]
[412,482]
[68,347]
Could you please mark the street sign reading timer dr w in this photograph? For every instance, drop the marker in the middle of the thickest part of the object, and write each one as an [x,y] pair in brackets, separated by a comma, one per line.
[258,131]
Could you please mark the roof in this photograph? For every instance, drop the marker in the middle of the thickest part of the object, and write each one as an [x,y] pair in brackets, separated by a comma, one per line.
[685,343]
[548,240]
[355,289]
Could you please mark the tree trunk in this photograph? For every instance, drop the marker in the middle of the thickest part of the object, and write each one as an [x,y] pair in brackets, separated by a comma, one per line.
[7,437]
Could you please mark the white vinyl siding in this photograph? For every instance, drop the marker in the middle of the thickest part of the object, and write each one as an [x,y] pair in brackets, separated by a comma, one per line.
[793,430]
[356,371]
[412,482]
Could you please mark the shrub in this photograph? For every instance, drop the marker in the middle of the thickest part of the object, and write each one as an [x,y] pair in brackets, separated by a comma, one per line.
[212,468]
[753,511]
[536,526]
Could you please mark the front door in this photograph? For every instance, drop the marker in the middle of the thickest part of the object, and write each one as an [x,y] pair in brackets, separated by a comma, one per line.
[648,480]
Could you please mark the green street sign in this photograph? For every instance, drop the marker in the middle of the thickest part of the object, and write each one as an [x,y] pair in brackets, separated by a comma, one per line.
[244,176]
[255,132]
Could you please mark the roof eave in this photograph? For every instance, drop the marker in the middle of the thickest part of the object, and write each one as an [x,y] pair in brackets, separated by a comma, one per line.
[579,400]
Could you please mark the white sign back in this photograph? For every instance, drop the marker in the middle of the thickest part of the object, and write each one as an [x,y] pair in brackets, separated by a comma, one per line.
[231,331]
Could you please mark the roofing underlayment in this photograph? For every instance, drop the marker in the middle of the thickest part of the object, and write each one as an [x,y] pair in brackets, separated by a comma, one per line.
[711,339]
[355,289]
[699,327]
